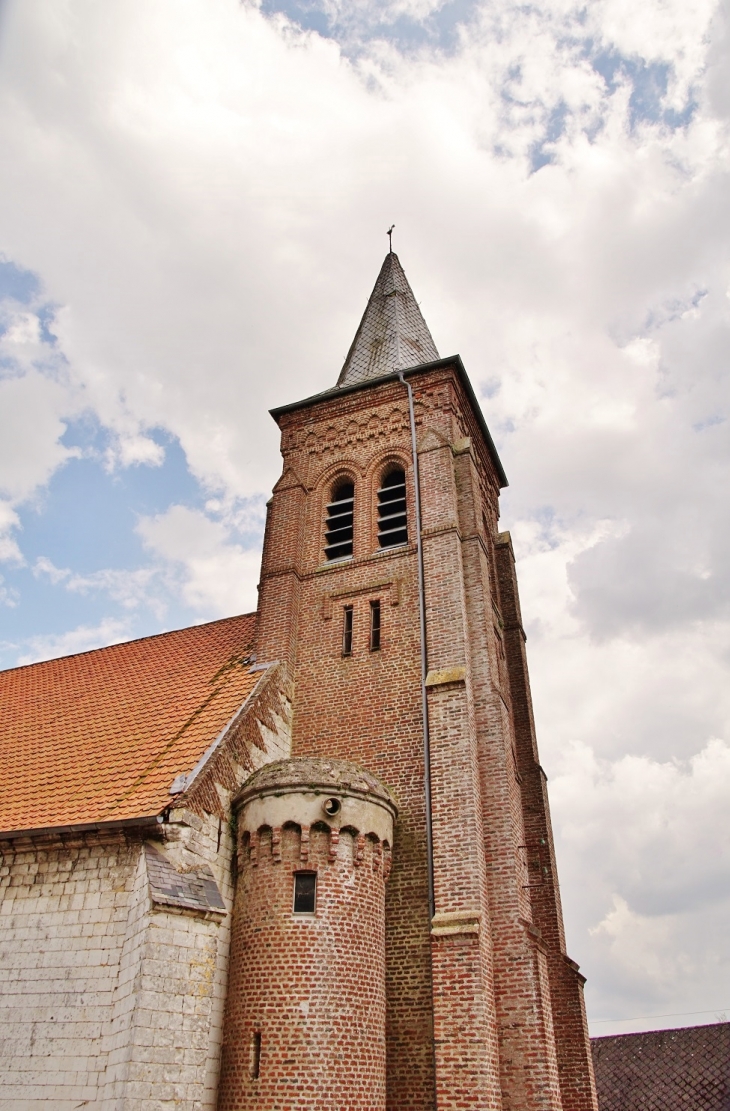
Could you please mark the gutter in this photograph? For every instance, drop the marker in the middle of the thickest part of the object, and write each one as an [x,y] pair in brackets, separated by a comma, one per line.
[439,364]
[146,821]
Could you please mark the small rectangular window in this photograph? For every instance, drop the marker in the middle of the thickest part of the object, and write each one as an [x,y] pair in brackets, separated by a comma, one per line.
[347,631]
[305,892]
[255,1063]
[375,626]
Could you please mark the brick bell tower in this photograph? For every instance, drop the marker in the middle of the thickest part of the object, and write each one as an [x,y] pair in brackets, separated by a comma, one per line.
[390,594]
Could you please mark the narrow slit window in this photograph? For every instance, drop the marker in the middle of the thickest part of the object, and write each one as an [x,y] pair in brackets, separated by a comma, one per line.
[339,525]
[347,631]
[255,1065]
[305,892]
[375,626]
[392,515]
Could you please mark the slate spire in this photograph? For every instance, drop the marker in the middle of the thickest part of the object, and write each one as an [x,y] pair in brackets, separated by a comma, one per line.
[393,334]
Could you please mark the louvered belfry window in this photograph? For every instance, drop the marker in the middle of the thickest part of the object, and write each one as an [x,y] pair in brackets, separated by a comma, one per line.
[392,518]
[338,536]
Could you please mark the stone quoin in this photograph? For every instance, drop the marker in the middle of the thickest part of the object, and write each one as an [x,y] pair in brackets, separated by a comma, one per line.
[303,858]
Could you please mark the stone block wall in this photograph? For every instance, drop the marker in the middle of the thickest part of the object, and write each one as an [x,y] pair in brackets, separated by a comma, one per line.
[107,998]
[64,906]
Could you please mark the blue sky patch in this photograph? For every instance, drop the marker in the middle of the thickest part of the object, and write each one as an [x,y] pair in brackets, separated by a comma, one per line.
[650,83]
[540,154]
[22,285]
[84,522]
[354,26]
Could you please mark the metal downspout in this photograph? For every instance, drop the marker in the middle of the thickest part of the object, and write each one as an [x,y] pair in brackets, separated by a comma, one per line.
[424,701]
[424,657]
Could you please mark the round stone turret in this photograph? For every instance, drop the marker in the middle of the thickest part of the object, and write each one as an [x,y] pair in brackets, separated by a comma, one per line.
[305,1021]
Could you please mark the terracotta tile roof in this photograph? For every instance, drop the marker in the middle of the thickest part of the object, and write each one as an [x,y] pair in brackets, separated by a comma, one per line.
[665,1070]
[100,736]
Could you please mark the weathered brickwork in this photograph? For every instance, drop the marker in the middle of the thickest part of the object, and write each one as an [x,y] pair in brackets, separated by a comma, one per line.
[305,1018]
[335,697]
[566,983]
[472,996]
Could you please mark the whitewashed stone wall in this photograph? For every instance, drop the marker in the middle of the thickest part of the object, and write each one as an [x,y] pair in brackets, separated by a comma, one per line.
[63,920]
[163,1043]
[112,999]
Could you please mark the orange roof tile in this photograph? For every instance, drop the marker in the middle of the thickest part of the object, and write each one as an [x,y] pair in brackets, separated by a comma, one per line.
[99,737]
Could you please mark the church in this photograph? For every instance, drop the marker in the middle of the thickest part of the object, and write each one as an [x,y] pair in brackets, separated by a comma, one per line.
[303,858]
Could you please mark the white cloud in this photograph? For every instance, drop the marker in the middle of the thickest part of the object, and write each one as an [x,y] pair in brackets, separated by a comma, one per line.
[205,197]
[133,450]
[9,521]
[45,566]
[212,574]
[8,596]
[657,836]
[32,411]
[84,638]
[131,588]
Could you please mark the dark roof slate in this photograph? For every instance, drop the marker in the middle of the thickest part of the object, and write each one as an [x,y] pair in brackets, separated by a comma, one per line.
[393,334]
[664,1070]
[194,890]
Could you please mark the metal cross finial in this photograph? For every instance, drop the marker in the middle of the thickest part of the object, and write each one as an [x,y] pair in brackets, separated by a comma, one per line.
[390,237]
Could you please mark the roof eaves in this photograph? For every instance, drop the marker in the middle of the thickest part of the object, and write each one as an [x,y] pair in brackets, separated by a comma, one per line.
[437,364]
[144,822]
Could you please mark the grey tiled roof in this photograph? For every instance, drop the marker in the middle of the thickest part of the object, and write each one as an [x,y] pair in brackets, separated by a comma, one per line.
[196,890]
[393,334]
[665,1070]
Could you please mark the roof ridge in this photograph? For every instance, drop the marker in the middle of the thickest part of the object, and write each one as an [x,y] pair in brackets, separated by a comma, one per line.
[661,1030]
[123,643]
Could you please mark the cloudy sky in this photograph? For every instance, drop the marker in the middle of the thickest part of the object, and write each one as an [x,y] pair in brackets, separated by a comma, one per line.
[193,204]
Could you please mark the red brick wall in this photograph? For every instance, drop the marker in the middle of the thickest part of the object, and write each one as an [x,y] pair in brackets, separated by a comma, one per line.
[312,987]
[472,997]
[367,707]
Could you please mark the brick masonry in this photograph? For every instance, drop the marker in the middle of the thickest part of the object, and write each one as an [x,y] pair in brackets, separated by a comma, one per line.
[305,1015]
[482,1003]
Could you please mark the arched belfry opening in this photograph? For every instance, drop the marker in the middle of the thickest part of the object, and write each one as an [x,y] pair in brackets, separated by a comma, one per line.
[392,508]
[339,532]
